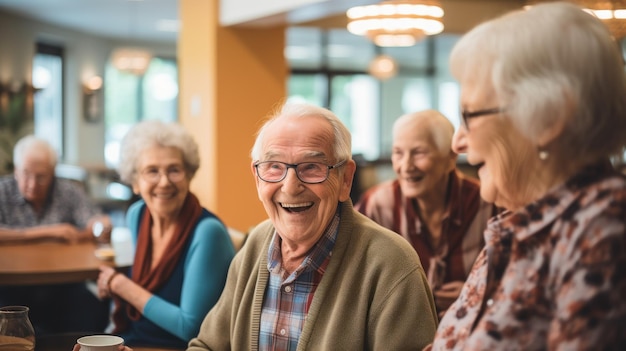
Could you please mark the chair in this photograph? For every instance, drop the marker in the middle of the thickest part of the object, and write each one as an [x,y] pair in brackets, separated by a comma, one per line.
[237,237]
[76,174]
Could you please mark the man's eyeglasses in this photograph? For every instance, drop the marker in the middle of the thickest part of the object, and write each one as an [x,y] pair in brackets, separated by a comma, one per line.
[307,172]
[39,179]
[153,175]
[469,115]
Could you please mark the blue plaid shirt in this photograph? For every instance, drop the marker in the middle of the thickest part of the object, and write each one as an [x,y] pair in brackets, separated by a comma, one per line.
[288,297]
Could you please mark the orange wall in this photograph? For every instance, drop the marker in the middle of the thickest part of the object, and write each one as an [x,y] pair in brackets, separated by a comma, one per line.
[230,79]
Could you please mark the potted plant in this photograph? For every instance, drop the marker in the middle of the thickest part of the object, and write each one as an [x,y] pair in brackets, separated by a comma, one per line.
[16,120]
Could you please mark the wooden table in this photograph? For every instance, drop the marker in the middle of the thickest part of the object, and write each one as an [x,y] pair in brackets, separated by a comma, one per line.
[56,263]
[66,341]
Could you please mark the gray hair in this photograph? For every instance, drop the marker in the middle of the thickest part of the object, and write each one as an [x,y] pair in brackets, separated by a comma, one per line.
[439,127]
[343,140]
[151,133]
[551,64]
[32,144]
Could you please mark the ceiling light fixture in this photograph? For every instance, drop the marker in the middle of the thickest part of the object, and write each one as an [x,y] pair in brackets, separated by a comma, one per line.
[131,60]
[611,12]
[397,22]
[383,67]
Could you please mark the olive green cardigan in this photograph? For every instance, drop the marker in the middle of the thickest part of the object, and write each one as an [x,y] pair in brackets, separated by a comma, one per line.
[373,295]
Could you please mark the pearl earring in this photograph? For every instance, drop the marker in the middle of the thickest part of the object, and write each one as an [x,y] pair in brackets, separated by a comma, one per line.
[543,155]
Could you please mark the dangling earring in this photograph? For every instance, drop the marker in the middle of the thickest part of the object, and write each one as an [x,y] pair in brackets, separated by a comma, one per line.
[543,155]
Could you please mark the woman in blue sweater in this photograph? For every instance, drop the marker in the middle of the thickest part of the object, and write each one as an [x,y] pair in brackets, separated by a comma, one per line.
[182,252]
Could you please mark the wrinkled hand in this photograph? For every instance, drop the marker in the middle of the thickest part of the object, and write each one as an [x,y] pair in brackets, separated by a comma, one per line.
[447,294]
[64,232]
[119,348]
[104,278]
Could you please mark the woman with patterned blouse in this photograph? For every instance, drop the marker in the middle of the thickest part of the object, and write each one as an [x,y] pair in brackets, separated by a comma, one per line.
[543,93]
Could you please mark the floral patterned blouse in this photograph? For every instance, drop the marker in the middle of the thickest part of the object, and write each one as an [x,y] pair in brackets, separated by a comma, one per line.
[552,275]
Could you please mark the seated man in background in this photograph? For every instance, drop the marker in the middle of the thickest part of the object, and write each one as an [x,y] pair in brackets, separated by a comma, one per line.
[431,203]
[317,275]
[35,205]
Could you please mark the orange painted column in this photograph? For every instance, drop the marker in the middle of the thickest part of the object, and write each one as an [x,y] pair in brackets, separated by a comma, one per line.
[230,79]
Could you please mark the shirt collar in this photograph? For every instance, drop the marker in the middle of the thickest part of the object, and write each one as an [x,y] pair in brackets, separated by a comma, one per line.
[315,257]
[537,215]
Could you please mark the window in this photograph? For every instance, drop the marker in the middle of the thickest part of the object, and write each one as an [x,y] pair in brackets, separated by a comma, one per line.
[48,99]
[131,98]
[331,70]
[355,101]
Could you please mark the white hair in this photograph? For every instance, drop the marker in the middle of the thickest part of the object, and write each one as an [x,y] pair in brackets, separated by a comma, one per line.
[150,133]
[548,65]
[343,141]
[439,127]
[32,144]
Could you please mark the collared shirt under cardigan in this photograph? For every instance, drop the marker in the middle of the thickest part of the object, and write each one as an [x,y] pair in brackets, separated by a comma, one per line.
[289,296]
[373,295]
[551,276]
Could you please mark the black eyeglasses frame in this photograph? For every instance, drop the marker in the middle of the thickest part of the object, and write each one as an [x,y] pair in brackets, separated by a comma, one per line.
[480,113]
[294,166]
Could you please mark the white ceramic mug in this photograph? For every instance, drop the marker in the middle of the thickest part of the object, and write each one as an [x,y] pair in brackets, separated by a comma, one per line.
[99,343]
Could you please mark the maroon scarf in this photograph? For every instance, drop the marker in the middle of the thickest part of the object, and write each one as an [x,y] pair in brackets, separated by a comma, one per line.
[142,274]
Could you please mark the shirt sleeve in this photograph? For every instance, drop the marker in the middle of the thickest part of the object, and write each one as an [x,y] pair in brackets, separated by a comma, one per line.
[83,207]
[206,267]
[370,204]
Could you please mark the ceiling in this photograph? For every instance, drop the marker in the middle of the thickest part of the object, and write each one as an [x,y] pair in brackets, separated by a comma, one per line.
[140,19]
[149,20]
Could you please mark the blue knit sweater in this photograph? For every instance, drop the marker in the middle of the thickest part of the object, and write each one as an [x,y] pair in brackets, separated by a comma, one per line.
[172,316]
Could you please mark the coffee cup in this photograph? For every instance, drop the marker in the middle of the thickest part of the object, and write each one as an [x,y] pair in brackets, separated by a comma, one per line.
[100,343]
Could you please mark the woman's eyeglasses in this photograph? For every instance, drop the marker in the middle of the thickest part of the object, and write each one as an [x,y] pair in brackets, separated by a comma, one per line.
[153,175]
[469,115]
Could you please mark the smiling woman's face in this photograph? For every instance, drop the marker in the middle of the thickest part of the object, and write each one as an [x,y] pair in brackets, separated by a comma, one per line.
[164,198]
[492,143]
